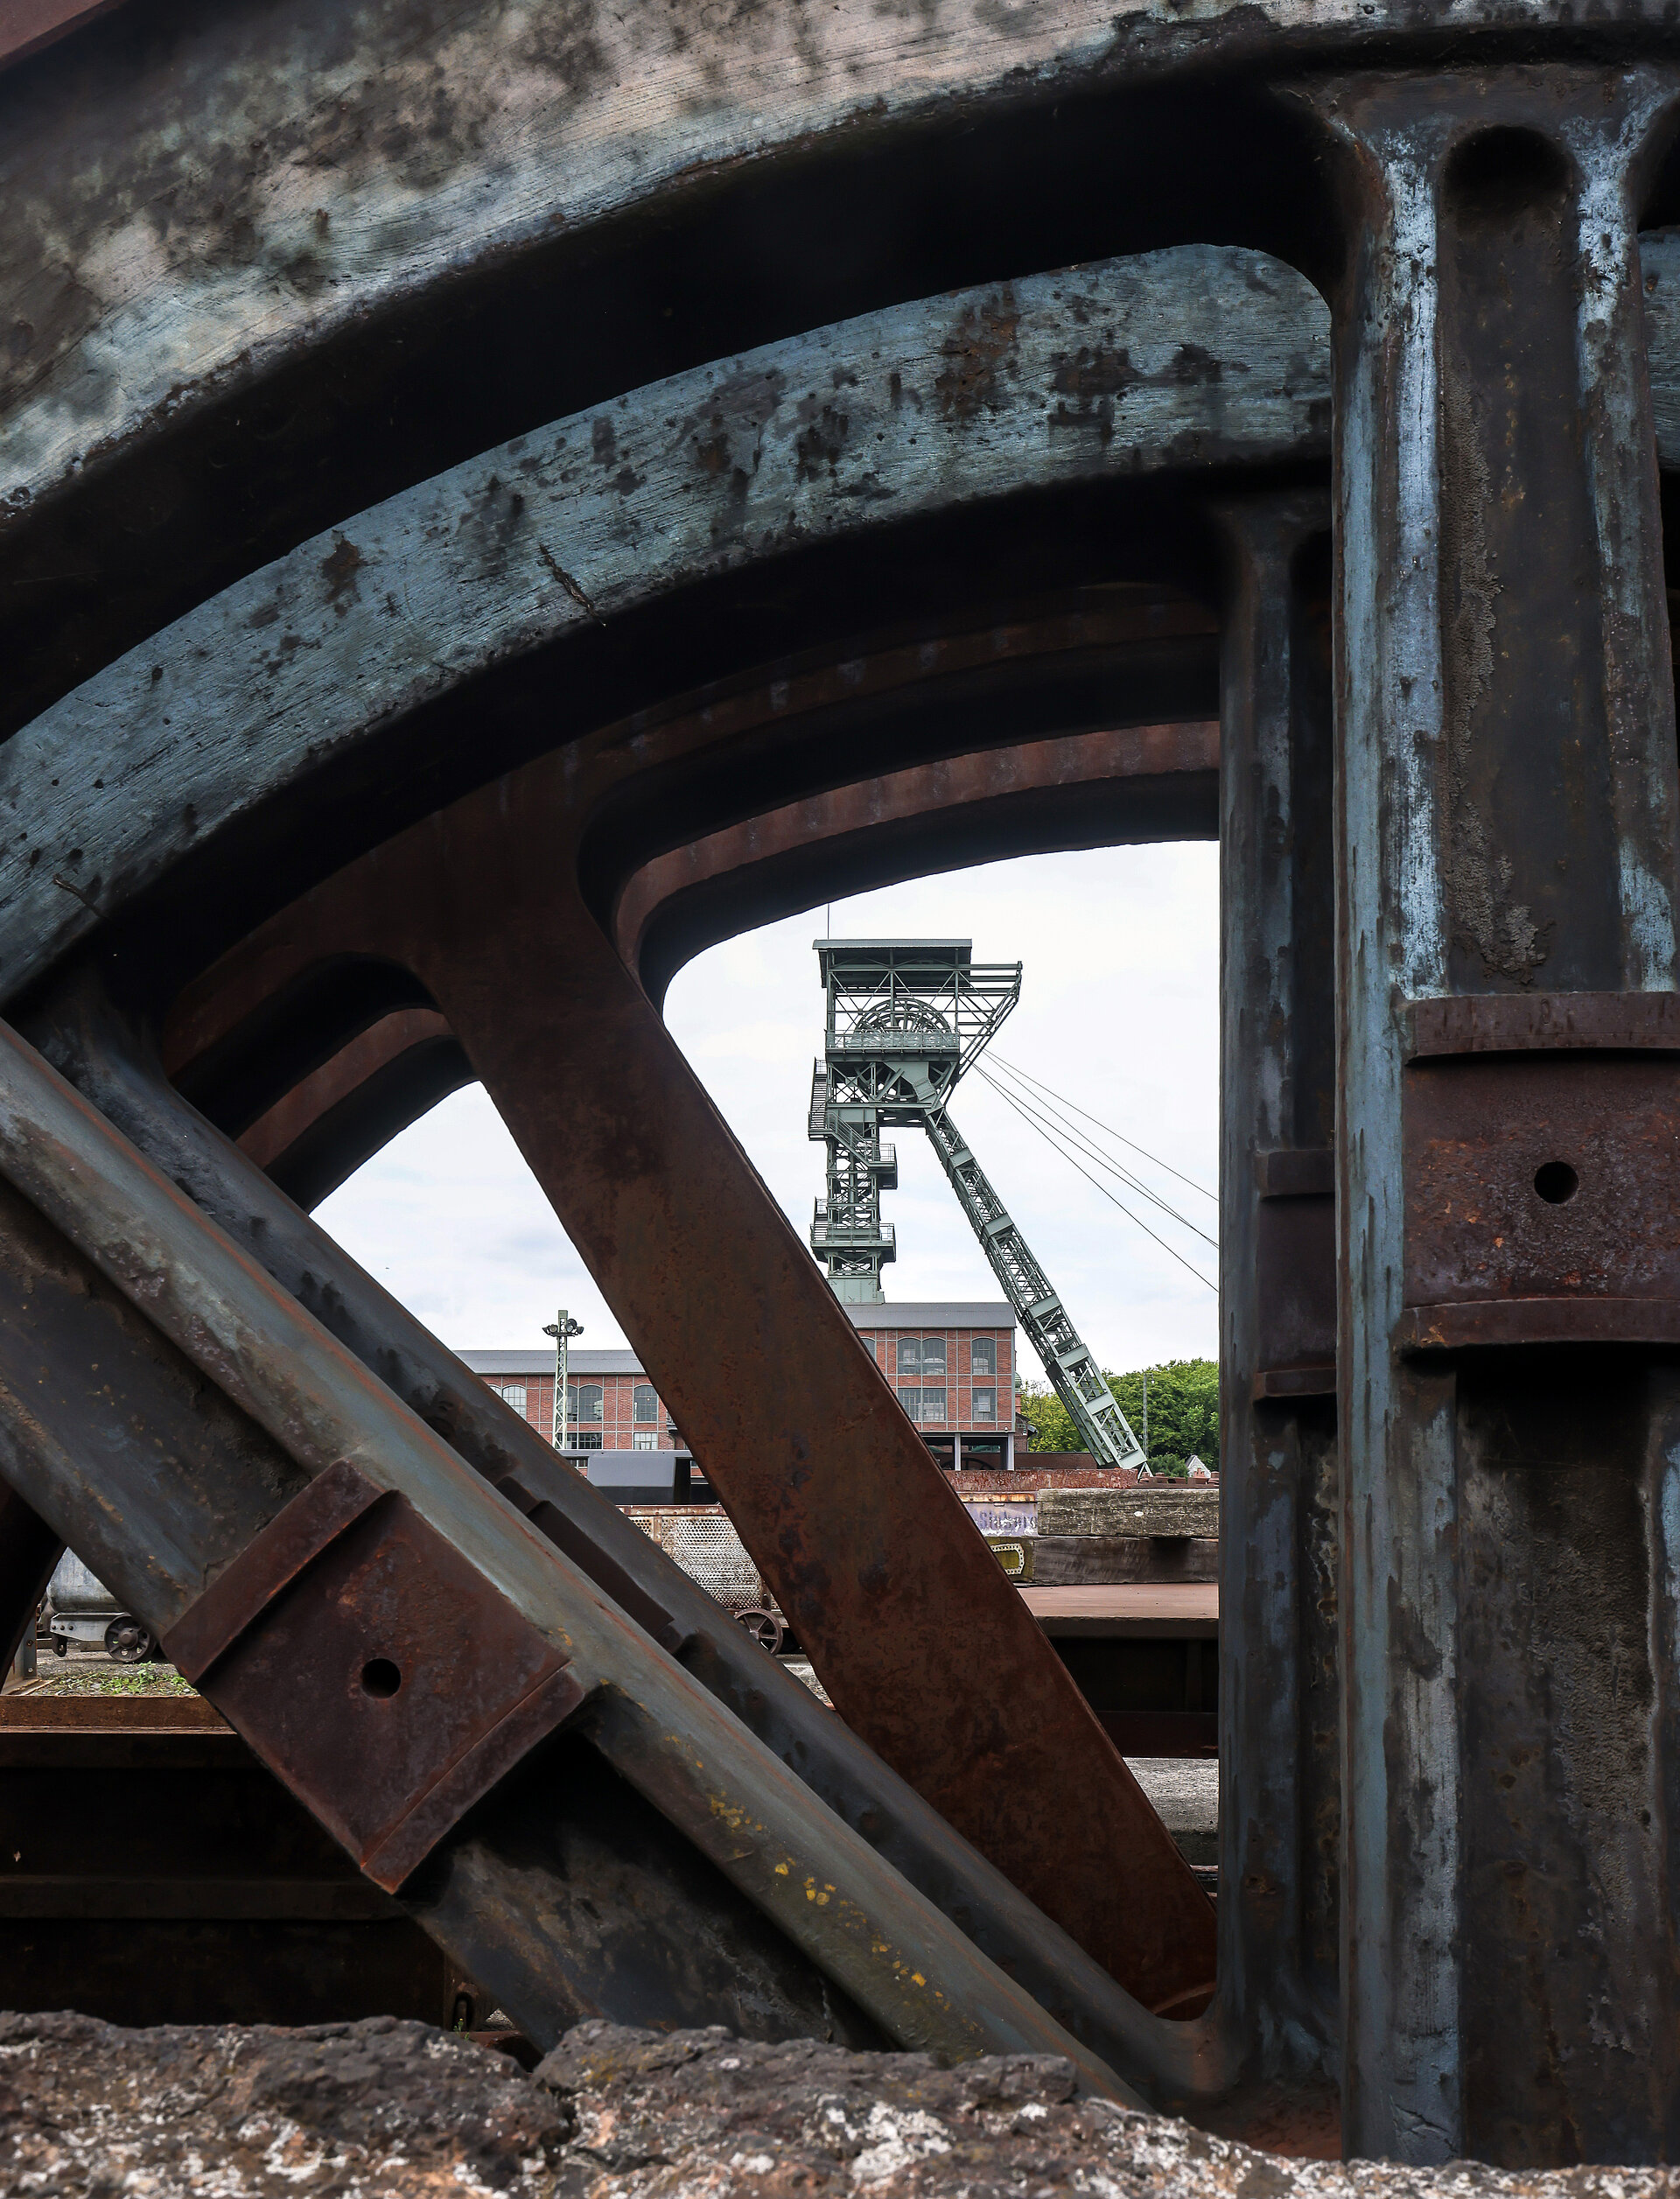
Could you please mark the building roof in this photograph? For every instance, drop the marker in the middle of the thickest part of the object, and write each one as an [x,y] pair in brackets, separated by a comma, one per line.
[542,1362]
[936,1313]
[908,1314]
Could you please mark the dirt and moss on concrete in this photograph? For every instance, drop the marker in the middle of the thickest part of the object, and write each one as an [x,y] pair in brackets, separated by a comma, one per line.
[371,2111]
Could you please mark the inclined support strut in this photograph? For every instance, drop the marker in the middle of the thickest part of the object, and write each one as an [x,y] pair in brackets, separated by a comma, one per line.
[901,1605]
[296,1408]
[85,1039]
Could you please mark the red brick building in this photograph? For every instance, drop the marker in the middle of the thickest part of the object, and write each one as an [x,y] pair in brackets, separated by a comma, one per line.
[953,1366]
[611,1405]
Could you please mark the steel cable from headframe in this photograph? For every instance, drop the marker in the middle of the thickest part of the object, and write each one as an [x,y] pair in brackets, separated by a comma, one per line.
[1010,1099]
[1093,1152]
[1061,1100]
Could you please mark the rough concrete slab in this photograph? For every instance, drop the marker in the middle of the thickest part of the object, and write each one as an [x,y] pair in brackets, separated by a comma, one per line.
[374,2108]
[1174,1509]
[1185,1791]
[370,2110]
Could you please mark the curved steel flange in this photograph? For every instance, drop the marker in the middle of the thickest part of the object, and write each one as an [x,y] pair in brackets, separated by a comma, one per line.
[469,584]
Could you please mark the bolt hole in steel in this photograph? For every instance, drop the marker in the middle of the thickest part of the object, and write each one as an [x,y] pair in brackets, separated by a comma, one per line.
[381,1678]
[1556,1182]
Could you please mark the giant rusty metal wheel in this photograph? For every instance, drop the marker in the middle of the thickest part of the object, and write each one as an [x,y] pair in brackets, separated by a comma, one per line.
[523,491]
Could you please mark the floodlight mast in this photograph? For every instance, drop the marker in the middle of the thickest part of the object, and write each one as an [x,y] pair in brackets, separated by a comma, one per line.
[905,1017]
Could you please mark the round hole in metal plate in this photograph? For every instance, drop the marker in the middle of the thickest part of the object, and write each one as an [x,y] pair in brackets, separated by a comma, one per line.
[1556,1182]
[381,1678]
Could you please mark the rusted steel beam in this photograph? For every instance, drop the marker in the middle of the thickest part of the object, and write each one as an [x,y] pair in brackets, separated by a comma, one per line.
[106,1061]
[158,1512]
[1277,1693]
[447,1639]
[1507,800]
[28,27]
[29,1551]
[252,1028]
[899,1603]
[1084,789]
[342,1113]
[1162,780]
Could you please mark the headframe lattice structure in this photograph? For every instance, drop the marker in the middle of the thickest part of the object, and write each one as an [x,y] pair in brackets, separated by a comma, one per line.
[462,549]
[905,1019]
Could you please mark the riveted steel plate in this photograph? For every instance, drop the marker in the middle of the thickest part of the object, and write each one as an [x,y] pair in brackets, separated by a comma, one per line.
[1295,1274]
[1542,1196]
[374,1670]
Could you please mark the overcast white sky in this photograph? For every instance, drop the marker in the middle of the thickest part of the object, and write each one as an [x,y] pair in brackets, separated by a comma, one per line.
[1118,1013]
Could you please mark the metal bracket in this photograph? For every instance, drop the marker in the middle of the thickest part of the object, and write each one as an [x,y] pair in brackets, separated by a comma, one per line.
[1295,1273]
[1541,1137]
[374,1672]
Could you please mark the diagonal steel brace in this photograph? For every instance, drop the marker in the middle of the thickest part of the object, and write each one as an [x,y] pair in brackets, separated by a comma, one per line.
[818,1882]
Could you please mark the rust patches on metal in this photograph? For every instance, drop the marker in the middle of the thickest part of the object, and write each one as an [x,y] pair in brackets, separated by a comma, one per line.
[1500,1023]
[726,434]
[373,1669]
[1537,1182]
[835,1493]
[339,569]
[978,352]
[821,441]
[572,587]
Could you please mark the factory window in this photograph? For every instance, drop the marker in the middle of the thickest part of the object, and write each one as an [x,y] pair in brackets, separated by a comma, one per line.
[983,1357]
[512,1393]
[910,1399]
[645,1404]
[589,1441]
[645,1439]
[933,1359]
[933,1404]
[909,1357]
[583,1401]
[984,1404]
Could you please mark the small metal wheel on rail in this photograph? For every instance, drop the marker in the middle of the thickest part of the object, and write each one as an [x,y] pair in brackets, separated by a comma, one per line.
[128,1640]
[764,1627]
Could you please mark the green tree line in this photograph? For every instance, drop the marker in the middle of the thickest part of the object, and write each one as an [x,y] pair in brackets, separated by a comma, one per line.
[1183,1413]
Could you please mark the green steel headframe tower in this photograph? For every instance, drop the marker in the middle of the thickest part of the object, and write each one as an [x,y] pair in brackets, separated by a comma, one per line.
[905,1017]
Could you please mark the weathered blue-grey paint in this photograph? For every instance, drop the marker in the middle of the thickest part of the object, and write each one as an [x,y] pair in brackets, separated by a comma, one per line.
[1178,360]
[1274,1100]
[1400,2018]
[1406,881]
[1184,360]
[186,209]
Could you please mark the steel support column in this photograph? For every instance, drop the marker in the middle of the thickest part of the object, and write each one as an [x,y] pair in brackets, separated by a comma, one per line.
[1278,1698]
[1506,853]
